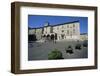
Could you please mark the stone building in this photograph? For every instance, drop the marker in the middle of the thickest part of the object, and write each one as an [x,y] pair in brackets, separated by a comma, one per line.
[69,30]
[83,36]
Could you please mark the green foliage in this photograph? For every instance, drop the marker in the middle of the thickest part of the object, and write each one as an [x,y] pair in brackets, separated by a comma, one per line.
[32,37]
[85,43]
[78,46]
[69,49]
[55,54]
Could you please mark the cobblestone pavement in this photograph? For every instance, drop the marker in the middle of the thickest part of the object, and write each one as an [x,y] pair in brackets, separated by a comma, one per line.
[39,50]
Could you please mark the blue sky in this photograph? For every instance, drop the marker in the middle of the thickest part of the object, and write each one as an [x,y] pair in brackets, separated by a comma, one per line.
[35,21]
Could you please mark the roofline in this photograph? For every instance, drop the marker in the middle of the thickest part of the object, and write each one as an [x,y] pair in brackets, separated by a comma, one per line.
[65,23]
[56,25]
[37,28]
[83,33]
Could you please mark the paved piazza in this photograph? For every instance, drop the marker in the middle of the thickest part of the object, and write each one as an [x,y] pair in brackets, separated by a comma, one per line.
[39,50]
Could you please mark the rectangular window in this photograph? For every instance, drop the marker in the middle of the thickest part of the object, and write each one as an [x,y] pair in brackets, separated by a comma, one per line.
[62,26]
[62,30]
[73,25]
[73,31]
[67,32]
[67,26]
[57,28]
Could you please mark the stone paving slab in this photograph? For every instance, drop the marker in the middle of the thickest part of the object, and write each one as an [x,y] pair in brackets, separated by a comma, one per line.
[40,50]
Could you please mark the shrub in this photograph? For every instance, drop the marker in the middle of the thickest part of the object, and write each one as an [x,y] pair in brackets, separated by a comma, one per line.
[78,46]
[85,43]
[55,54]
[69,50]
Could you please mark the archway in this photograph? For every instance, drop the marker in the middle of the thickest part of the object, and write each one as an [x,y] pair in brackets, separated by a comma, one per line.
[48,37]
[52,36]
[62,36]
[55,36]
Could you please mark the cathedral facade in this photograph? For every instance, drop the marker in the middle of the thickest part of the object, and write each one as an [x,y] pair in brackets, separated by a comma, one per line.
[63,31]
